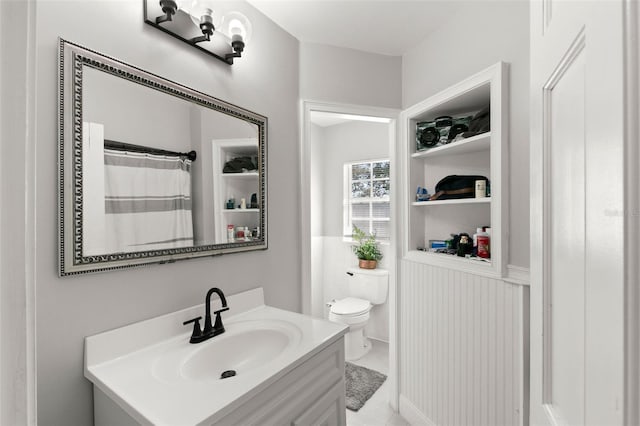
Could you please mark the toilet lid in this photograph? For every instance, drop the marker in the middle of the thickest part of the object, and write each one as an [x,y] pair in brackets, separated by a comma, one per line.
[350,306]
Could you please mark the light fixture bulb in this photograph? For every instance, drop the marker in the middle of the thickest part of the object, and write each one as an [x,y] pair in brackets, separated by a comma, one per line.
[237,27]
[201,13]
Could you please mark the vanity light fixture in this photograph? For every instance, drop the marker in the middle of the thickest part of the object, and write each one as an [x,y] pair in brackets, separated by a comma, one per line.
[222,34]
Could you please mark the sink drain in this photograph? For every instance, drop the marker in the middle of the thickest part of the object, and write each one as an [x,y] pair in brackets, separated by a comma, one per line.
[227,374]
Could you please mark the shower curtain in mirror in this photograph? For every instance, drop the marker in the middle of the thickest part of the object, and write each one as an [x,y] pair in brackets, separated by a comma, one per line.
[134,201]
[147,201]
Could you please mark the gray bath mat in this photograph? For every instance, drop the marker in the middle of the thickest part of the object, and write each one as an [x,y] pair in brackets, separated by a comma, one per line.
[361,383]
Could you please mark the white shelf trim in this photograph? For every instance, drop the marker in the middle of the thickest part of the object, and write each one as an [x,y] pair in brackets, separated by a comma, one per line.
[473,266]
[240,210]
[240,175]
[476,143]
[456,201]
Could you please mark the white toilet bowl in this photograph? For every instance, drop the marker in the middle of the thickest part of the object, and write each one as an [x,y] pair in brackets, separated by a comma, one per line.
[353,312]
[366,287]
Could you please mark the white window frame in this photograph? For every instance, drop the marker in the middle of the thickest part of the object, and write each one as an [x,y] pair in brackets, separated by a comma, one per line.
[348,201]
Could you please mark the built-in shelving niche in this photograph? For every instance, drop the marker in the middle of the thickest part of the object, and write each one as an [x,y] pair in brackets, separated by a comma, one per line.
[484,154]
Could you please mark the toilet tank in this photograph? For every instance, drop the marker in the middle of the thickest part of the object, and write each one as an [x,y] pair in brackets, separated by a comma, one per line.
[368,284]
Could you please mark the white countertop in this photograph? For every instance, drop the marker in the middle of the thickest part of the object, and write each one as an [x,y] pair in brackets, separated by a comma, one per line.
[129,364]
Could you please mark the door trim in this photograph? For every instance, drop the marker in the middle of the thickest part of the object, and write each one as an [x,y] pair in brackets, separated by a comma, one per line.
[572,53]
[632,209]
[18,396]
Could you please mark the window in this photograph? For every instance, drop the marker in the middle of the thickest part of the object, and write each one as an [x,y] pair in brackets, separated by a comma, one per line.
[366,201]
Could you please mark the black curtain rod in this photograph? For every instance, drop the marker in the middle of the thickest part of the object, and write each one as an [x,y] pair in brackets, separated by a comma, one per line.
[121,146]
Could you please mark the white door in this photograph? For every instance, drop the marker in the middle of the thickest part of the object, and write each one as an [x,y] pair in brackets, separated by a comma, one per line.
[577,225]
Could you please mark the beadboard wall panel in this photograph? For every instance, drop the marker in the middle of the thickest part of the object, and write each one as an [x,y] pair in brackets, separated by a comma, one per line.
[461,347]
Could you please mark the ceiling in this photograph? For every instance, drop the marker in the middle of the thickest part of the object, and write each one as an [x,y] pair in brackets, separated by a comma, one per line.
[388,27]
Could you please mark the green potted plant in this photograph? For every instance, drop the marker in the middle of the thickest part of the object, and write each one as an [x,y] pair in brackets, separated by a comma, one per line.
[367,249]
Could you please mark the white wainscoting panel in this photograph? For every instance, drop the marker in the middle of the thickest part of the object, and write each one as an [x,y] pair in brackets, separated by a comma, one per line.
[462,342]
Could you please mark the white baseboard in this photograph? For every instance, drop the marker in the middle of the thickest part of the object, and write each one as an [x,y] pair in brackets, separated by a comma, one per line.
[412,415]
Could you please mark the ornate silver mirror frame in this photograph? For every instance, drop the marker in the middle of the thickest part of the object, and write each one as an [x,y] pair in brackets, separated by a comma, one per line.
[74,61]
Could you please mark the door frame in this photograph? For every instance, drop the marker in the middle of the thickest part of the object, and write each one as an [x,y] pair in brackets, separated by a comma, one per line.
[306,108]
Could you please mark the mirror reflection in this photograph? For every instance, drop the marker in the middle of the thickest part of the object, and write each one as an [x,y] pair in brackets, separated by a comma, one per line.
[166,172]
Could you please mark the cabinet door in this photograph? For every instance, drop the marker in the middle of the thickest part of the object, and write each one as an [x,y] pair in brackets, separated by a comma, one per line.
[327,411]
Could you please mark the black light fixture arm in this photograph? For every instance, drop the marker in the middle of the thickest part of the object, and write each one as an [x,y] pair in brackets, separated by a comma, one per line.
[207,28]
[169,7]
[238,48]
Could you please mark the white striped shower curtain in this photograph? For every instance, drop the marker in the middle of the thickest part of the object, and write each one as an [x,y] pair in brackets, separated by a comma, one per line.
[147,201]
[133,201]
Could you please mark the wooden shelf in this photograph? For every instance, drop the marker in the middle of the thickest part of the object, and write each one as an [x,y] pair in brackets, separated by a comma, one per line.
[456,201]
[476,143]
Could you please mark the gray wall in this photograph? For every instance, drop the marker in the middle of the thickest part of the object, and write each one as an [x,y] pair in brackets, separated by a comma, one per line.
[343,143]
[347,76]
[142,116]
[68,309]
[488,32]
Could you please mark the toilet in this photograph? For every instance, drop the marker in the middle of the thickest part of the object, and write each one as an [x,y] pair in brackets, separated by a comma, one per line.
[367,287]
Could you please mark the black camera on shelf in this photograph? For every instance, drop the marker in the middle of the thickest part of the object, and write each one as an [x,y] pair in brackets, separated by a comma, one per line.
[442,131]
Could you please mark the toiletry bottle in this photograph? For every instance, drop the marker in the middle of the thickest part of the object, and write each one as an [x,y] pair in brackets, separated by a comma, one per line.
[481,188]
[230,237]
[247,234]
[239,233]
[243,203]
[475,241]
[483,245]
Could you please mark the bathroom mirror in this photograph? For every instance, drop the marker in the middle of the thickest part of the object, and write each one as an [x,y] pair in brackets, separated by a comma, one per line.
[151,171]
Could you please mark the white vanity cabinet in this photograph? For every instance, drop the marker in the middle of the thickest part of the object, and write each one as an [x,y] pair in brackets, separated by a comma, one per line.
[290,370]
[311,394]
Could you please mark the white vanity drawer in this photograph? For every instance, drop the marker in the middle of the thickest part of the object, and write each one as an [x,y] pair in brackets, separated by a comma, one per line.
[312,393]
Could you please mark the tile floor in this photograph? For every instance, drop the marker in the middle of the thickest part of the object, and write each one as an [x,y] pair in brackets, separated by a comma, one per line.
[376,411]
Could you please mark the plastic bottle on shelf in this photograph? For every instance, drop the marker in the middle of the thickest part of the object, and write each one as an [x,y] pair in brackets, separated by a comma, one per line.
[239,233]
[483,244]
[475,241]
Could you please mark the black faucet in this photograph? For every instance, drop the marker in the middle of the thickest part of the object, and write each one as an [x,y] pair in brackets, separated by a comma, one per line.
[209,330]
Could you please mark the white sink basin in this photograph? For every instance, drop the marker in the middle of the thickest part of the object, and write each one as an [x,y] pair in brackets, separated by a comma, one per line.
[244,346]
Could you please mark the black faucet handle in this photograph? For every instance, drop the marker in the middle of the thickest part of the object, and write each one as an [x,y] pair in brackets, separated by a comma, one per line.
[197,332]
[220,310]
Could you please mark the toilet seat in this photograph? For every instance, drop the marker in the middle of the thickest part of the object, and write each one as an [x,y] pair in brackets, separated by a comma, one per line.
[350,307]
